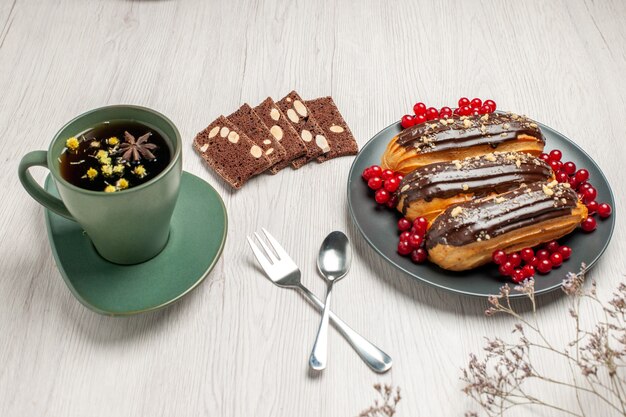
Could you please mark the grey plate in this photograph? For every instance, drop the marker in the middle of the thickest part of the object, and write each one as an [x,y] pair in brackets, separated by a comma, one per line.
[378,225]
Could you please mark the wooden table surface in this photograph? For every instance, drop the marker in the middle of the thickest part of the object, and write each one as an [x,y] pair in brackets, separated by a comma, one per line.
[237,345]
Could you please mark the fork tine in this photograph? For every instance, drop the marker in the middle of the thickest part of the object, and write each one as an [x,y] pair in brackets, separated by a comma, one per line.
[282,253]
[260,257]
[268,252]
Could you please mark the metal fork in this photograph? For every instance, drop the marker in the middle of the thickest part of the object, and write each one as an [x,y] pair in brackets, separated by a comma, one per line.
[282,271]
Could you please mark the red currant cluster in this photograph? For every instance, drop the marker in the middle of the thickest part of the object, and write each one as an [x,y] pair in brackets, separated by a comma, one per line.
[412,239]
[578,180]
[466,107]
[523,264]
[384,183]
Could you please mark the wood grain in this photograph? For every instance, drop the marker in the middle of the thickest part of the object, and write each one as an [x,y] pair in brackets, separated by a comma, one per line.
[238,346]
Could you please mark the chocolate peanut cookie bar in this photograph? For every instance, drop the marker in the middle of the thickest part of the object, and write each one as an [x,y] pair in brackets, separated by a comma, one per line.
[335,128]
[230,152]
[307,127]
[282,131]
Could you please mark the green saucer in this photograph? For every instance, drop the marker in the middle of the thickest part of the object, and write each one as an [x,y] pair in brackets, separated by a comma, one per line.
[197,236]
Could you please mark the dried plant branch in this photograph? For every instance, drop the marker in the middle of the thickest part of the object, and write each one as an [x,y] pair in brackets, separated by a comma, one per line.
[385,405]
[595,357]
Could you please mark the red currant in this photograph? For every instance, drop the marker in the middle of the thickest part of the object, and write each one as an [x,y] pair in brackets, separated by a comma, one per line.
[391,185]
[556,259]
[484,109]
[404,248]
[565,252]
[552,246]
[419,255]
[589,194]
[561,176]
[491,104]
[544,266]
[515,259]
[534,261]
[569,167]
[555,155]
[404,224]
[543,254]
[499,257]
[582,175]
[529,271]
[421,225]
[376,171]
[387,174]
[399,177]
[382,196]
[432,113]
[445,112]
[573,182]
[464,101]
[419,119]
[544,157]
[404,236]
[393,201]
[476,103]
[407,121]
[465,111]
[415,240]
[527,254]
[518,275]
[556,165]
[367,174]
[592,207]
[589,224]
[419,109]
[604,210]
[375,183]
[506,269]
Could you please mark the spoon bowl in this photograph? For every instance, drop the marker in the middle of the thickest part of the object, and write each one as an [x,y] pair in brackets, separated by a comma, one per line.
[335,256]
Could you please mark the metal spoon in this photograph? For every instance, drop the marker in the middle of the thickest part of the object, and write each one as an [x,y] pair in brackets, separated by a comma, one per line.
[333,262]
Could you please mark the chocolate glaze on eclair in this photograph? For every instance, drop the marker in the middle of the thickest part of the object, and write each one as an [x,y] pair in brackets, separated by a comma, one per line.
[497,172]
[467,131]
[488,217]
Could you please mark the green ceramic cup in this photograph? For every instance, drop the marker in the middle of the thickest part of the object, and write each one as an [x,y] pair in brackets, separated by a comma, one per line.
[126,227]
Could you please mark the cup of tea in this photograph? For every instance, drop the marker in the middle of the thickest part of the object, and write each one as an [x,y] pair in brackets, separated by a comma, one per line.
[117,170]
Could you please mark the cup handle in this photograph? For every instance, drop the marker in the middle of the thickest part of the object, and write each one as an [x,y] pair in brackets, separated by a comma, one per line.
[40,158]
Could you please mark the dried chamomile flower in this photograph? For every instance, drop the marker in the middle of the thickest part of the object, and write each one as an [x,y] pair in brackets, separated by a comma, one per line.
[140,171]
[91,174]
[103,157]
[113,140]
[72,143]
[122,184]
[118,169]
[107,170]
[110,189]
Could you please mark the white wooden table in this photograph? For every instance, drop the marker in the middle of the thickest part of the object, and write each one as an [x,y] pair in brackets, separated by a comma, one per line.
[238,346]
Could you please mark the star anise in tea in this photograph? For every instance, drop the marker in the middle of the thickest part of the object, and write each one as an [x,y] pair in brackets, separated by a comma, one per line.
[137,148]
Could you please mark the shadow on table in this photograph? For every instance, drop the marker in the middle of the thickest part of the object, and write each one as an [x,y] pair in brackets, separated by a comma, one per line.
[109,330]
[426,294]
[40,293]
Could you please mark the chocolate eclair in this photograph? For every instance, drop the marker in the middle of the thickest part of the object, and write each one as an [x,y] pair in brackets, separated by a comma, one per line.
[461,137]
[465,235]
[429,190]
